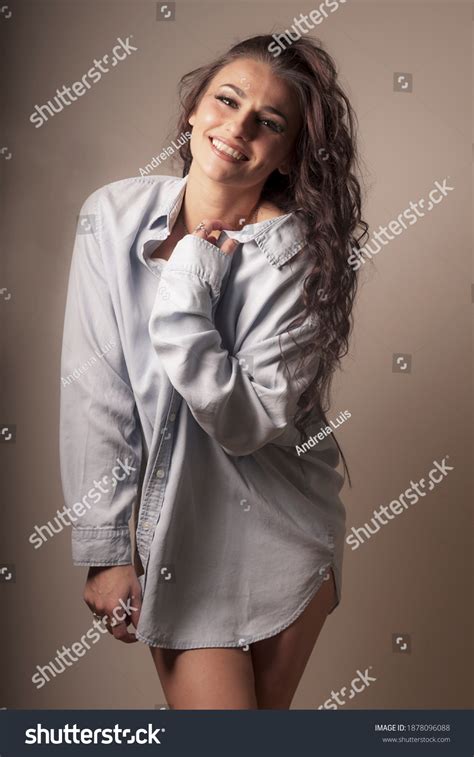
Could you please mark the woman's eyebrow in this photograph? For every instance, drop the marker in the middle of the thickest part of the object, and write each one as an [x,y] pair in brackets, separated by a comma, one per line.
[241,93]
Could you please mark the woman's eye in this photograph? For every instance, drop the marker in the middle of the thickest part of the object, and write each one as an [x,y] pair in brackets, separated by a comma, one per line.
[272,124]
[267,122]
[226,100]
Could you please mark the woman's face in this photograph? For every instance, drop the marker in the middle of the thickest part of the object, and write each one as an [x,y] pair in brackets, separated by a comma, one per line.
[249,112]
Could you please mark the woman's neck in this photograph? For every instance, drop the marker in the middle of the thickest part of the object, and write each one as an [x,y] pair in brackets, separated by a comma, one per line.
[205,198]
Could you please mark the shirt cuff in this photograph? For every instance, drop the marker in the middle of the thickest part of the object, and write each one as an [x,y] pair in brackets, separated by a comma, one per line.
[101,546]
[201,258]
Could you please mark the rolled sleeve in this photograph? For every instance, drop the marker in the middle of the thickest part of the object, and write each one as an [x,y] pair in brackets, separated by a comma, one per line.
[198,258]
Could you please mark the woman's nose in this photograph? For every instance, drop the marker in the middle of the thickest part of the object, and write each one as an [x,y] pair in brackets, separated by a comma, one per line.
[241,126]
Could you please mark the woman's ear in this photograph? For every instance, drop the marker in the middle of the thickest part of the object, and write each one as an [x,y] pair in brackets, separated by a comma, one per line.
[191,120]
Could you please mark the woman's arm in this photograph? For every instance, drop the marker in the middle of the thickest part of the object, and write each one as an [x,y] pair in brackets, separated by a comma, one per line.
[244,400]
[100,439]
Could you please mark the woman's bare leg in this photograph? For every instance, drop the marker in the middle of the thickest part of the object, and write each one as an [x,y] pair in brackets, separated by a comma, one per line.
[279,662]
[206,679]
[266,677]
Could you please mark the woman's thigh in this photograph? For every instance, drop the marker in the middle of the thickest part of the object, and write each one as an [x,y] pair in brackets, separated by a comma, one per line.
[279,662]
[206,679]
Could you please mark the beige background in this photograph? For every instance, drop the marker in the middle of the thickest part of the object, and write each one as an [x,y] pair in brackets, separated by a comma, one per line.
[415,575]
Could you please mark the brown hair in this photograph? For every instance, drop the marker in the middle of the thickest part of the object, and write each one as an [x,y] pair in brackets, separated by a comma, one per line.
[322,182]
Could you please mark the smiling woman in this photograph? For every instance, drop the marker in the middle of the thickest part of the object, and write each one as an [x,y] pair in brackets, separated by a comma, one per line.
[229,296]
[248,118]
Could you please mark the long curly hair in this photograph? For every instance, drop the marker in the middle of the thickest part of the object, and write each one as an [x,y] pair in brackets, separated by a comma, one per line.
[322,186]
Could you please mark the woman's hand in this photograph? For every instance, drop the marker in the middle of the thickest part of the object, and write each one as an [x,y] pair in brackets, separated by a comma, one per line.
[208,228]
[115,593]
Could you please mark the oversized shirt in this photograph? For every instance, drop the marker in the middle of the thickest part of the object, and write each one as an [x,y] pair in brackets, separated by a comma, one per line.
[179,386]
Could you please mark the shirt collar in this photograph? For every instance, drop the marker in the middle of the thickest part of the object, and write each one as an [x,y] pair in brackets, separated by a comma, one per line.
[279,238]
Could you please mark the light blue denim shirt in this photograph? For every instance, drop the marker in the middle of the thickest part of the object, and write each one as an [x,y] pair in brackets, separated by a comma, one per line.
[178,393]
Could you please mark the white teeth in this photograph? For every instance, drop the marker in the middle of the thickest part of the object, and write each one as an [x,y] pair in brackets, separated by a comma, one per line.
[222,147]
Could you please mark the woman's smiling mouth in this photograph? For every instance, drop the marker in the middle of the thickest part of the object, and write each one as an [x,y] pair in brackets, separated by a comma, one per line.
[225,151]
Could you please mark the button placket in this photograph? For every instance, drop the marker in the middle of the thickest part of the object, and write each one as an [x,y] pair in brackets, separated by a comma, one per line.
[156,486]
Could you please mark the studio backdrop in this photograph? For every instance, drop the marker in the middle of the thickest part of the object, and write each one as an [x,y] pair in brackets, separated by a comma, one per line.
[401,407]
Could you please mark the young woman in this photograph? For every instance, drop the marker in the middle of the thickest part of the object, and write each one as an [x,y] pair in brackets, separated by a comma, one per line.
[205,318]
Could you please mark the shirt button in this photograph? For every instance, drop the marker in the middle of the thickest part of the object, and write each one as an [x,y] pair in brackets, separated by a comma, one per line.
[172,416]
[160,472]
[146,526]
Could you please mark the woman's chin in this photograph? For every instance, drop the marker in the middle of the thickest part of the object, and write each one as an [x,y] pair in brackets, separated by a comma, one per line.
[221,173]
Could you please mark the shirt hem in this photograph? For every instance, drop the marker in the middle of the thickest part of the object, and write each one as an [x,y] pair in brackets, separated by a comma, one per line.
[162,642]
